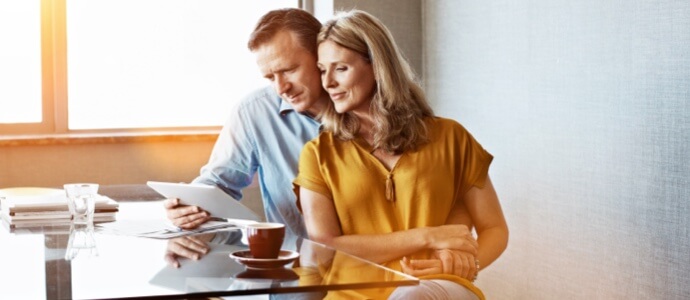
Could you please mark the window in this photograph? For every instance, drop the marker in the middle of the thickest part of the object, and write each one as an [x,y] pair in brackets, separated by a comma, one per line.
[20,62]
[124,64]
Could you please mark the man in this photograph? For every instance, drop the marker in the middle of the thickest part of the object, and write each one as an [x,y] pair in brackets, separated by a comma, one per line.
[266,131]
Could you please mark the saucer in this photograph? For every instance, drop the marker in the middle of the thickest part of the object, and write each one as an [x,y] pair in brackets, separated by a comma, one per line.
[245,257]
[277,274]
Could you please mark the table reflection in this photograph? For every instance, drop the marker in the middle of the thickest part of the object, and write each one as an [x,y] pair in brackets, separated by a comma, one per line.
[82,242]
[83,263]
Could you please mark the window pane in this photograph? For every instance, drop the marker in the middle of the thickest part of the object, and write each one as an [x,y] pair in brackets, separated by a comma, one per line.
[159,63]
[20,62]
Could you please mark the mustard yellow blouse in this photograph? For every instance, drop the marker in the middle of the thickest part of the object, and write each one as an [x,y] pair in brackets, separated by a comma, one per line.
[425,182]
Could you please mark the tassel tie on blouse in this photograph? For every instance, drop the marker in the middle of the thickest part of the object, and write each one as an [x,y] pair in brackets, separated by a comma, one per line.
[390,188]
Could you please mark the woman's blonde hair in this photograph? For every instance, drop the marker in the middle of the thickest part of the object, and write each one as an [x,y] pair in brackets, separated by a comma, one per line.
[399,105]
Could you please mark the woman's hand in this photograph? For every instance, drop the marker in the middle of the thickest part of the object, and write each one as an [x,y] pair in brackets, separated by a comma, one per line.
[445,261]
[456,262]
[421,267]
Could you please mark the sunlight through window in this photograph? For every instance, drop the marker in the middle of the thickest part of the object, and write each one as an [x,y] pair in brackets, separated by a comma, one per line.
[159,63]
[20,62]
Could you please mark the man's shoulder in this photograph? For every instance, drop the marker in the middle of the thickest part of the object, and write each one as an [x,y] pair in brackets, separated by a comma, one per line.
[261,98]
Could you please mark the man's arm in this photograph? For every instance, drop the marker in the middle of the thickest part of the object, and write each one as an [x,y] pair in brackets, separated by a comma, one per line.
[231,167]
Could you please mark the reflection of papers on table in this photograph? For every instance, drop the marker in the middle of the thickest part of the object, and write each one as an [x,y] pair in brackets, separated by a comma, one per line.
[160,229]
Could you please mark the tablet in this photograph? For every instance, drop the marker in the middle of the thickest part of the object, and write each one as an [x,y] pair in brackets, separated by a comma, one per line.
[209,197]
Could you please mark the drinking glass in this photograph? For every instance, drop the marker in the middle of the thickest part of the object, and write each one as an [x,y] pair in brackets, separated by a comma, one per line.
[81,200]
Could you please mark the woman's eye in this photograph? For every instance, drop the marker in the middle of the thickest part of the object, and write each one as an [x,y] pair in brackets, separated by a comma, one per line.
[341,69]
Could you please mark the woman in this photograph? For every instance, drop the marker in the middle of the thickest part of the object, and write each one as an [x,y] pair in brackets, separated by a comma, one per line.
[387,180]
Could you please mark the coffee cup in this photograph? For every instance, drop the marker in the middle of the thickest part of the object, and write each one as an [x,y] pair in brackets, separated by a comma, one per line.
[265,239]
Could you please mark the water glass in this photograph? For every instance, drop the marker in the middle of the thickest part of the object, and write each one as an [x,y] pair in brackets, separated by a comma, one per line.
[81,200]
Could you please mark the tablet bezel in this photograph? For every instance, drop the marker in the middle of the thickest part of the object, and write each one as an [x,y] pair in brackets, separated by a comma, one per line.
[208,197]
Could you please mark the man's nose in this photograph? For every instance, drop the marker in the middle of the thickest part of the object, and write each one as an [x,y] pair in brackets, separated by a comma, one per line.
[281,85]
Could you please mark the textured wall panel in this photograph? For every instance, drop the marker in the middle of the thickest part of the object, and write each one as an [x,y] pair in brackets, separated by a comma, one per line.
[586,106]
[402,17]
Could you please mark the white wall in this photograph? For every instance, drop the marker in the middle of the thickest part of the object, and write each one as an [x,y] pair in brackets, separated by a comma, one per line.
[586,107]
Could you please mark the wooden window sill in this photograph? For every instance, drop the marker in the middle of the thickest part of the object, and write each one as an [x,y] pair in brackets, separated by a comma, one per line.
[109,138]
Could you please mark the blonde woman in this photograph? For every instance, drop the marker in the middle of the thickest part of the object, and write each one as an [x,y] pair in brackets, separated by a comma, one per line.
[387,180]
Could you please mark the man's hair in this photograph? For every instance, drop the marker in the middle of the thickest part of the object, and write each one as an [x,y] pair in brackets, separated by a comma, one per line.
[399,106]
[305,26]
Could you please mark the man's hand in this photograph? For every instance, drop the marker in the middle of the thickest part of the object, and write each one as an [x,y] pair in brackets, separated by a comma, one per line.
[457,237]
[457,262]
[191,247]
[184,216]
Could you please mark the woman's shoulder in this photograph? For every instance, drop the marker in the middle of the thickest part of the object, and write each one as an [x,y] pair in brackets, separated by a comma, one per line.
[323,145]
[325,139]
[444,130]
[441,124]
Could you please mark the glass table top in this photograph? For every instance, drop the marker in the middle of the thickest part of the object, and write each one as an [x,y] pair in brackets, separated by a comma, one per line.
[59,262]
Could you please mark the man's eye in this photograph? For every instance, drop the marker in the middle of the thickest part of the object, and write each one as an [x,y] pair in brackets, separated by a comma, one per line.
[341,69]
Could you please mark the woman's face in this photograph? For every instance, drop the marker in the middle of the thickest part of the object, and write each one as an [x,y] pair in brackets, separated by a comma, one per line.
[347,77]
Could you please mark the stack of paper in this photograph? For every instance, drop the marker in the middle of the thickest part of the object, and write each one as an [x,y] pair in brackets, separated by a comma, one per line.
[34,207]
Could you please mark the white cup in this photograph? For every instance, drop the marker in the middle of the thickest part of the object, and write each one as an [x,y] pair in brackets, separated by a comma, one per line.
[81,200]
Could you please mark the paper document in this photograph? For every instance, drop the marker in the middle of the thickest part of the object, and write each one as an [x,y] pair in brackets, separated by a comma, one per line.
[160,229]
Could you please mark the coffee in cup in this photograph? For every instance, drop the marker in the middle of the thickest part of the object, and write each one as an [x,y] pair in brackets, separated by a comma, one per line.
[265,239]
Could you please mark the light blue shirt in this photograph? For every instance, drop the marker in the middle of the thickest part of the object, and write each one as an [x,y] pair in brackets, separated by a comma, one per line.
[264,134]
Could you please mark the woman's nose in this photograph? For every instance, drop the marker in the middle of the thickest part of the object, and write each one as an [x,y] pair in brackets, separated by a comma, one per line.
[327,80]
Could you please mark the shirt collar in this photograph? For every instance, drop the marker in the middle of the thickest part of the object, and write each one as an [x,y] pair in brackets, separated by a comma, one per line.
[285,107]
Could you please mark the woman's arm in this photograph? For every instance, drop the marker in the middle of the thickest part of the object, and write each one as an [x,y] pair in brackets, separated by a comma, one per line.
[489,222]
[323,226]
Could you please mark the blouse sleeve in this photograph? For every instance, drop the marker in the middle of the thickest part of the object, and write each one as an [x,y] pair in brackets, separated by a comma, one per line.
[474,161]
[309,175]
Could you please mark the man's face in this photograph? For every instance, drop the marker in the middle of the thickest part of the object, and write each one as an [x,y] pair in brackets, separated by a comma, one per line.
[292,71]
